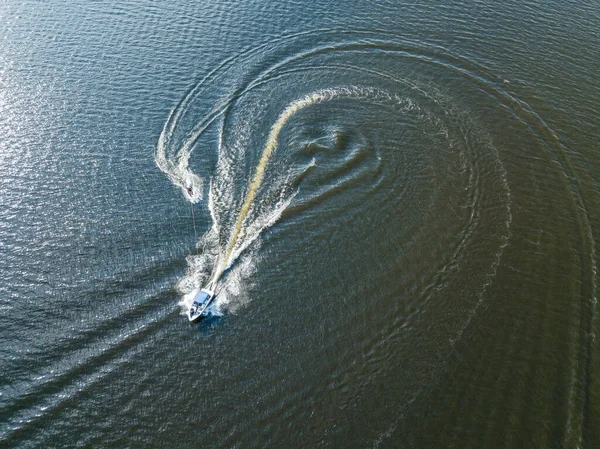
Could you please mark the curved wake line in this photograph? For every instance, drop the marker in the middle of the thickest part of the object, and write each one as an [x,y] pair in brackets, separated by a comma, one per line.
[320,96]
[244,232]
[177,169]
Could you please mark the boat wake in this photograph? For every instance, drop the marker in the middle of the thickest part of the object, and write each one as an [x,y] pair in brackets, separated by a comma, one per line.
[227,240]
[291,134]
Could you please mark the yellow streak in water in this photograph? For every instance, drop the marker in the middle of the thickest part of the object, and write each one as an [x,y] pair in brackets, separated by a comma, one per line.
[271,145]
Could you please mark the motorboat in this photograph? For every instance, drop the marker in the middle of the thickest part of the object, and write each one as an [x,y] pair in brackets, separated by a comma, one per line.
[202,300]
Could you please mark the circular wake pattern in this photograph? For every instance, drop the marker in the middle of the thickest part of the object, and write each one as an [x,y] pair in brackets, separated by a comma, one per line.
[344,117]
[398,190]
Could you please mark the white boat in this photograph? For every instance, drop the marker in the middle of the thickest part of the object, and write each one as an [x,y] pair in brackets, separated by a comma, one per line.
[202,300]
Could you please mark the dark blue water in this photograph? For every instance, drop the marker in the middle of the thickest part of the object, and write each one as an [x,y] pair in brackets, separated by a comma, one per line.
[418,267]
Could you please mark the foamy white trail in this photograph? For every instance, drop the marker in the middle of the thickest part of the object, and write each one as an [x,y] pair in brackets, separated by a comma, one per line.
[218,254]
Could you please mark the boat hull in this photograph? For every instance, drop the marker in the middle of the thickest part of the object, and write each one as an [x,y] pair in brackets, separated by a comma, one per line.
[202,300]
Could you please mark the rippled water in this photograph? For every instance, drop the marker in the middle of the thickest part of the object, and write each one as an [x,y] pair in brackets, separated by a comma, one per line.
[402,200]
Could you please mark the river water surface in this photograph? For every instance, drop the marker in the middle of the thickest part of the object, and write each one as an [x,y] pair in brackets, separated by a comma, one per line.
[400,202]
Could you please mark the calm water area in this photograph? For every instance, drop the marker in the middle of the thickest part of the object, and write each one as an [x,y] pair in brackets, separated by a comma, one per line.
[401,201]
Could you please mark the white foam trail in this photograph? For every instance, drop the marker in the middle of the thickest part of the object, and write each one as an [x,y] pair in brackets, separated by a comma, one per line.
[251,220]
[244,233]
